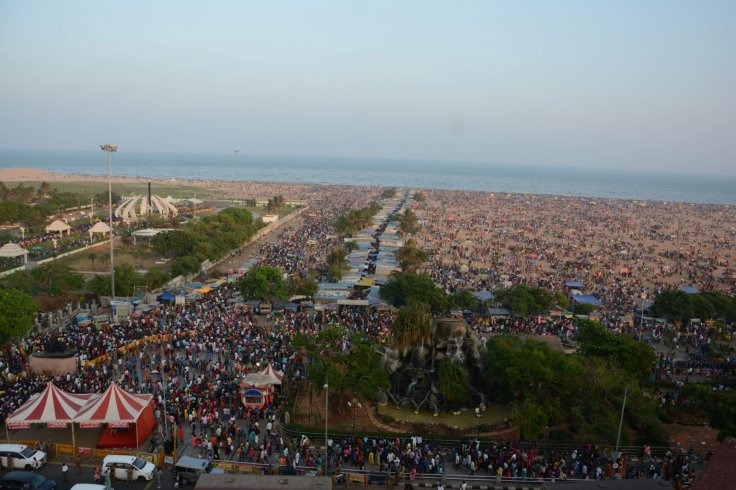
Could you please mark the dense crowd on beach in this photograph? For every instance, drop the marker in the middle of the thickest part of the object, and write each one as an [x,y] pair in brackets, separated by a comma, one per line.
[475,241]
[616,248]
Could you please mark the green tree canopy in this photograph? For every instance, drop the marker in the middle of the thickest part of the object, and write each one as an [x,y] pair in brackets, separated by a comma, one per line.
[635,358]
[17,310]
[410,257]
[408,224]
[413,322]
[525,300]
[264,283]
[452,381]
[400,288]
[303,286]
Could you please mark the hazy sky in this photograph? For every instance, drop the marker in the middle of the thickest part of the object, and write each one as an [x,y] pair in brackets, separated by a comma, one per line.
[642,83]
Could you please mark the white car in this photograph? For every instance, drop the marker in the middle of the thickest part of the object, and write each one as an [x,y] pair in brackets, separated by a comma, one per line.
[24,457]
[142,469]
[90,486]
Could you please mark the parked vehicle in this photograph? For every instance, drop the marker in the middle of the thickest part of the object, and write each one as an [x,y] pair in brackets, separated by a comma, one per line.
[23,457]
[188,469]
[26,480]
[142,469]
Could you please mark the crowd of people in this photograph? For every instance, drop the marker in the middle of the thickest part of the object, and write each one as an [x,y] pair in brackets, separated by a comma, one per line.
[475,241]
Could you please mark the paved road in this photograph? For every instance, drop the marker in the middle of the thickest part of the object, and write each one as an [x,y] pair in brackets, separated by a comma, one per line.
[52,471]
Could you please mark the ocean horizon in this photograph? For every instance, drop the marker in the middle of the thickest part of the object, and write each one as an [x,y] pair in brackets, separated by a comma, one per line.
[702,188]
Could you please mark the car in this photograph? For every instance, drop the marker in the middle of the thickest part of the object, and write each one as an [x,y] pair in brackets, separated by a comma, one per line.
[90,486]
[142,469]
[24,457]
[26,480]
[188,469]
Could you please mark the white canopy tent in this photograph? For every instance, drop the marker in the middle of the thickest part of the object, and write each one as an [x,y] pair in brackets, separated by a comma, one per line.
[99,227]
[58,226]
[11,250]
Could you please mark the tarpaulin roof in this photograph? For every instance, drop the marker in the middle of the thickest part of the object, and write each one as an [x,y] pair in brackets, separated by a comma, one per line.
[587,300]
[51,405]
[114,406]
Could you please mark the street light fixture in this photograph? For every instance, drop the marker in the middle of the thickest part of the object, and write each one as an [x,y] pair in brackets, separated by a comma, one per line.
[110,149]
[480,411]
[355,404]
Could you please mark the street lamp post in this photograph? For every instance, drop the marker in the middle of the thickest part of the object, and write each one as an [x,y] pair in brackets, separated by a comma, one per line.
[480,411]
[326,387]
[110,149]
[355,404]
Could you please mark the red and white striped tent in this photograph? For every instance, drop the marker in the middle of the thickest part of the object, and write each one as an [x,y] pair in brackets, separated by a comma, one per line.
[118,408]
[52,405]
[274,377]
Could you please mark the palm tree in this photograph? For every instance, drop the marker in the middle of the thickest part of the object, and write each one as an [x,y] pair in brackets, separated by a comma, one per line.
[413,323]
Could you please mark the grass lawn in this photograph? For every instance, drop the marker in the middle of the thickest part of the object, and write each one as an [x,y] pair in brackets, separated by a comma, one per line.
[91,188]
[98,259]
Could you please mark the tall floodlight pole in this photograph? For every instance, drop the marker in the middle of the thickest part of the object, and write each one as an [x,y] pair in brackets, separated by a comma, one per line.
[237,174]
[327,394]
[621,420]
[110,149]
[641,318]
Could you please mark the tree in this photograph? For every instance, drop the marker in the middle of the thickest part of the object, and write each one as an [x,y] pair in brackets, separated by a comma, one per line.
[155,277]
[303,286]
[264,283]
[419,196]
[635,358]
[17,310]
[408,224]
[174,243]
[410,257]
[452,381]
[186,265]
[413,323]
[464,300]
[525,300]
[400,288]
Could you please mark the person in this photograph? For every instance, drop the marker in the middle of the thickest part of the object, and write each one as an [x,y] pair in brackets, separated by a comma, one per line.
[464,486]
[129,473]
[10,463]
[159,476]
[78,463]
[108,480]
[65,471]
[98,474]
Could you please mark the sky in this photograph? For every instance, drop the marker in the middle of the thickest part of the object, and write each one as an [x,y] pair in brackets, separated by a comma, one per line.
[647,84]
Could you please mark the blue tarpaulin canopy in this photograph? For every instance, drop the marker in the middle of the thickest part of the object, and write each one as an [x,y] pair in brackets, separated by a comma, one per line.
[166,296]
[587,300]
[574,284]
[690,290]
[483,295]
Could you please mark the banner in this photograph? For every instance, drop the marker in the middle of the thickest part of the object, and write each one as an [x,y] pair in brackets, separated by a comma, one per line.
[89,425]
[19,425]
[57,425]
[118,425]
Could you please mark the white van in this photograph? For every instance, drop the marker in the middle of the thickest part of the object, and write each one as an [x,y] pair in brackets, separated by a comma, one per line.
[142,469]
[24,457]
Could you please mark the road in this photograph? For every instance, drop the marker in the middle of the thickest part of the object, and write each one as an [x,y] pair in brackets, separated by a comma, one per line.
[52,471]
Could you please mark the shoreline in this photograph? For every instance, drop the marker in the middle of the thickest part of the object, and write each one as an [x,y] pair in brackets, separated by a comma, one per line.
[29,174]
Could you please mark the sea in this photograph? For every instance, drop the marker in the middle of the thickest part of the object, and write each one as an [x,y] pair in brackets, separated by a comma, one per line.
[630,184]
